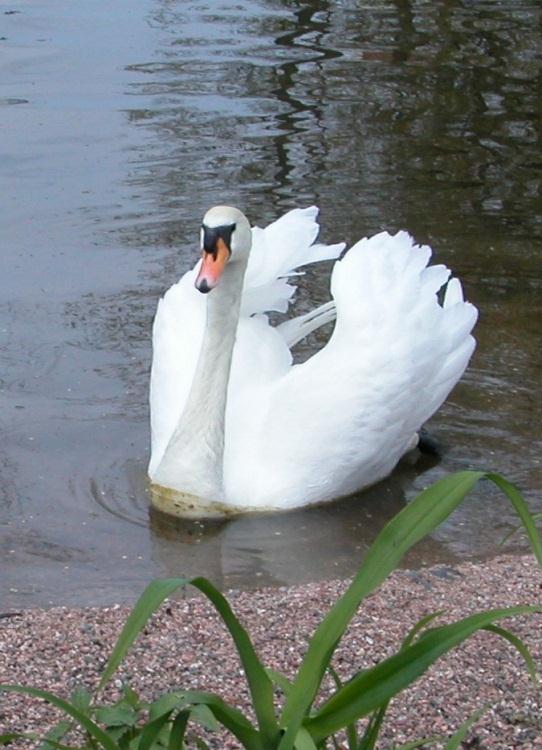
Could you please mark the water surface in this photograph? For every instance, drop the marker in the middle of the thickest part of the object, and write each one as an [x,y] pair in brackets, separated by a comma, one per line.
[121,124]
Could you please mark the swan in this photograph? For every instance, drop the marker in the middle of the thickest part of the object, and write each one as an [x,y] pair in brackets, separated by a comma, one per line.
[236,426]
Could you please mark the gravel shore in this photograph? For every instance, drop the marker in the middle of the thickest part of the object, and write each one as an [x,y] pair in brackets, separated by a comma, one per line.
[185,645]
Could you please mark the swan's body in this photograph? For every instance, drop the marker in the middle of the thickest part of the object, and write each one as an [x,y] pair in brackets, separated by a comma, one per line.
[236,426]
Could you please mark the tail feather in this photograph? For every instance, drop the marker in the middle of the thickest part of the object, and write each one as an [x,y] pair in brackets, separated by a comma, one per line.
[454,293]
[295,329]
[277,251]
[433,278]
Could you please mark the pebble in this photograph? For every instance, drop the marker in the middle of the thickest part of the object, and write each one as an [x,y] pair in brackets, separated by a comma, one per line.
[186,645]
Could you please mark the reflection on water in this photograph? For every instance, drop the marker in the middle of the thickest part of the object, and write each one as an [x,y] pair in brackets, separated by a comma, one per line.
[415,115]
[319,542]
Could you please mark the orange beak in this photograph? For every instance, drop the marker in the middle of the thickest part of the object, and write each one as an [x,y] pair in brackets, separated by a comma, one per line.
[212,266]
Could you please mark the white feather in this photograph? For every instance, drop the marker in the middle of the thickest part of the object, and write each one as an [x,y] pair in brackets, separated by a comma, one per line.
[300,434]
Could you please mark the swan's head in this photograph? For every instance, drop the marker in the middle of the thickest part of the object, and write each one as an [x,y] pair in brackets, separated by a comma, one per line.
[226,238]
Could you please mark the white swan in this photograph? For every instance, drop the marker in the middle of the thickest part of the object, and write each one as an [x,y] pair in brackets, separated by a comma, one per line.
[236,426]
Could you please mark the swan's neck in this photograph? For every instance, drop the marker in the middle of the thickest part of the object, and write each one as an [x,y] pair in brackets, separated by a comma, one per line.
[193,461]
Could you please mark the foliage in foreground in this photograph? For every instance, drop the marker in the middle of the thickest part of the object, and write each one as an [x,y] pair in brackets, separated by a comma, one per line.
[131,724]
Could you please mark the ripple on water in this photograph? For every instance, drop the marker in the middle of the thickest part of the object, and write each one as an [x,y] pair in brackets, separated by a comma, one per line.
[420,117]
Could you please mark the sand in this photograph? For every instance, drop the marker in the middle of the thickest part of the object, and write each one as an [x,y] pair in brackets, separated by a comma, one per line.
[185,645]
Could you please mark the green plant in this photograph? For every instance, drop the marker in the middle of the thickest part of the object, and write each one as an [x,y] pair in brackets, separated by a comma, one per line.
[131,724]
[537,518]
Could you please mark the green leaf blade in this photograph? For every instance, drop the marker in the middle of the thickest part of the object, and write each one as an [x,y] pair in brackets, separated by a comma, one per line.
[230,718]
[521,508]
[369,690]
[413,744]
[455,741]
[6,738]
[151,730]
[156,592]
[149,601]
[520,647]
[423,515]
[261,687]
[82,719]
[178,730]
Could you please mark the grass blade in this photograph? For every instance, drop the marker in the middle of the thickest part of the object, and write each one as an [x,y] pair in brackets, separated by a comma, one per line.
[55,734]
[304,741]
[167,703]
[116,716]
[9,737]
[519,646]
[423,515]
[521,508]
[151,730]
[459,735]
[146,605]
[191,700]
[351,733]
[230,718]
[370,736]
[87,724]
[414,522]
[178,729]
[419,626]
[418,743]
[203,716]
[537,517]
[278,679]
[261,687]
[369,690]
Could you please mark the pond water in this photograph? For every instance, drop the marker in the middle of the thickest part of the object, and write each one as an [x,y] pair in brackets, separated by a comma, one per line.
[121,124]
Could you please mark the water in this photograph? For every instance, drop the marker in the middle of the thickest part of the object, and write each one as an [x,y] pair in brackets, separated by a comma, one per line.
[121,124]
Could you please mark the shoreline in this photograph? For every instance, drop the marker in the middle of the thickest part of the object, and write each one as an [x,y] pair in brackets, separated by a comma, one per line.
[185,645]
